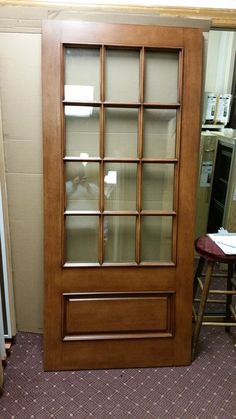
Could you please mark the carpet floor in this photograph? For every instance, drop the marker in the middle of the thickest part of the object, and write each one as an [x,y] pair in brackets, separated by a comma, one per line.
[205,389]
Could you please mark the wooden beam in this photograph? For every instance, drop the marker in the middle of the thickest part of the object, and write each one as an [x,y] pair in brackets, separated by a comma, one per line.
[220,18]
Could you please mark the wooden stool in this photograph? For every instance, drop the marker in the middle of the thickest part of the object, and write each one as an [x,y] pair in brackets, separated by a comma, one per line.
[211,253]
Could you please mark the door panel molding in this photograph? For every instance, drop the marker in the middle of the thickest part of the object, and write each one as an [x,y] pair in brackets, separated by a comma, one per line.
[117,315]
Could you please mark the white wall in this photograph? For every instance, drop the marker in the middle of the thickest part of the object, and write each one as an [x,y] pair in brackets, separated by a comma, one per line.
[220,61]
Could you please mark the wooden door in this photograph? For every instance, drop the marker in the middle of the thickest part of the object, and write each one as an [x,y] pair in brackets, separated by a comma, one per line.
[121,107]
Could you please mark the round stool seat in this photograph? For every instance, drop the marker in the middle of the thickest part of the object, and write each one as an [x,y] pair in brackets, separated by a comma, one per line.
[209,250]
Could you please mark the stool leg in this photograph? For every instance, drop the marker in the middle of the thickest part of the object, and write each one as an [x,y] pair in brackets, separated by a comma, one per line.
[229,296]
[198,273]
[202,304]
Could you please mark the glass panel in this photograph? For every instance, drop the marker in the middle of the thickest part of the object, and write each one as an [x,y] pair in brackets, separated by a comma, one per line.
[121,132]
[159,139]
[156,239]
[82,191]
[161,76]
[120,186]
[157,186]
[82,74]
[119,238]
[82,239]
[82,132]
[122,76]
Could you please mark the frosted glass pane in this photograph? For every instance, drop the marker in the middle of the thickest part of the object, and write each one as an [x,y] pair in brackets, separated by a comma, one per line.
[82,132]
[156,239]
[121,132]
[122,76]
[157,186]
[119,239]
[82,241]
[82,186]
[161,76]
[159,137]
[120,186]
[82,74]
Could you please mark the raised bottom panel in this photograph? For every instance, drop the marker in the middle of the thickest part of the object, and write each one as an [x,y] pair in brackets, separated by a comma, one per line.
[93,316]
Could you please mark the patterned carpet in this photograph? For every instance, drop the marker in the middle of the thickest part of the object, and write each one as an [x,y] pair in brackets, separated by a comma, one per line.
[206,389]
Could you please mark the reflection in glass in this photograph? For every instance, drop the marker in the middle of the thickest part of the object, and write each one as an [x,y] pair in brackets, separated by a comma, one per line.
[82,239]
[82,191]
[156,239]
[82,71]
[82,133]
[161,76]
[120,186]
[73,93]
[159,133]
[120,65]
[157,186]
[121,132]
[119,239]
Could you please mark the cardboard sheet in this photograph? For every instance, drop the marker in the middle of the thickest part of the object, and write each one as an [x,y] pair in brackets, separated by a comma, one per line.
[227,242]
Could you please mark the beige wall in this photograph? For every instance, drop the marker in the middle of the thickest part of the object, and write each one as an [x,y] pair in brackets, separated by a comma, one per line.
[20,87]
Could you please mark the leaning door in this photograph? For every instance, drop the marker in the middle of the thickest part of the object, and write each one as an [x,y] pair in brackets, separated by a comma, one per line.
[121,108]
